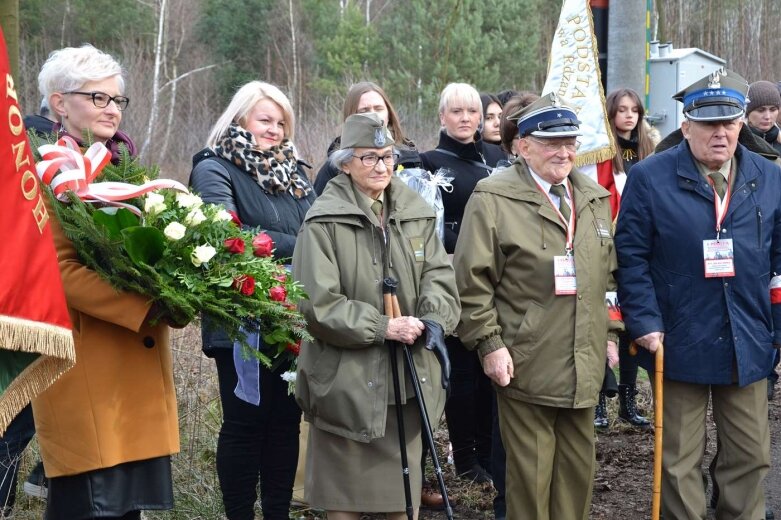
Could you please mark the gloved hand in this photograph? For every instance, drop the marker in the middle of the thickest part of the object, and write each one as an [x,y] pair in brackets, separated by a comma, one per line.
[435,342]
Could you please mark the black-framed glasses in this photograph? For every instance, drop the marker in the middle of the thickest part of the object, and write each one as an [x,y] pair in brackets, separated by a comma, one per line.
[101,99]
[372,159]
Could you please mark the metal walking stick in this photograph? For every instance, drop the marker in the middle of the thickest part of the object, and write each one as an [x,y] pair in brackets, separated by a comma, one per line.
[656,500]
[387,298]
[389,288]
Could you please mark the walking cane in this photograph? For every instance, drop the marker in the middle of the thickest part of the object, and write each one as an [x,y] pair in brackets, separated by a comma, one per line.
[387,299]
[658,427]
[389,291]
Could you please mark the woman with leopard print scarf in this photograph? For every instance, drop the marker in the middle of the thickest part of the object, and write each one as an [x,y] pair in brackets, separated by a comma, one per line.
[250,166]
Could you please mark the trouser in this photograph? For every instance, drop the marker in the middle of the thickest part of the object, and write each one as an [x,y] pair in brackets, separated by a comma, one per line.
[256,442]
[498,465]
[468,408]
[743,461]
[16,438]
[550,460]
[627,363]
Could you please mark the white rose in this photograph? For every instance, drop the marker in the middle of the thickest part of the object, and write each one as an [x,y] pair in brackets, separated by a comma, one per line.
[195,217]
[154,203]
[202,254]
[174,231]
[289,376]
[188,200]
[222,215]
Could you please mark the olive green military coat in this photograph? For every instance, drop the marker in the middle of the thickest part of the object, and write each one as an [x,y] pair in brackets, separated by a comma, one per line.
[343,382]
[504,272]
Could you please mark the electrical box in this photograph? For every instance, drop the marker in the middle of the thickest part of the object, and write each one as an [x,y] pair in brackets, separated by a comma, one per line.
[672,70]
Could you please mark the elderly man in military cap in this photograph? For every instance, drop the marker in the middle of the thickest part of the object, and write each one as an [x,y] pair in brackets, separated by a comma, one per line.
[699,246]
[534,264]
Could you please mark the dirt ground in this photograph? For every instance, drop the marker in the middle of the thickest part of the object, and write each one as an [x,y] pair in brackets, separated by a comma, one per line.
[622,487]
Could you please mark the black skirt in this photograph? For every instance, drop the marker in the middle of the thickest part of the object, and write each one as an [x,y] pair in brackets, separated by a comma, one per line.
[112,492]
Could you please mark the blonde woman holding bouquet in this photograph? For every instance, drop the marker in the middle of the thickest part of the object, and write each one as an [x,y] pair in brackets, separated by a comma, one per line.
[107,427]
[249,165]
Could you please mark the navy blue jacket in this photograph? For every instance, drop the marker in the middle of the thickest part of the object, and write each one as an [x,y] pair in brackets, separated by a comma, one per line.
[712,326]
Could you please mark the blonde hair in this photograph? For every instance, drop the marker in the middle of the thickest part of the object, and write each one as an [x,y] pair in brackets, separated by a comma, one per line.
[242,103]
[460,92]
[69,68]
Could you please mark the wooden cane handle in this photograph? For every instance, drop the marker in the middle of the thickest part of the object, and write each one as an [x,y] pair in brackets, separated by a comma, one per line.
[387,300]
[633,349]
[396,308]
[658,431]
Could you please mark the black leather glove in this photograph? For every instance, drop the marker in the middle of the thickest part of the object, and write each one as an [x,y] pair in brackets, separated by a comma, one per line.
[435,342]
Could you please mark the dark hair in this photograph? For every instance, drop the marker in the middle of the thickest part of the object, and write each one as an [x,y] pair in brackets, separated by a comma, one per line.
[645,145]
[353,97]
[508,128]
[505,95]
[486,99]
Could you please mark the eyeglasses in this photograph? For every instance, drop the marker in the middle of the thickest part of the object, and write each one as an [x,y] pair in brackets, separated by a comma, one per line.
[101,99]
[371,159]
[554,145]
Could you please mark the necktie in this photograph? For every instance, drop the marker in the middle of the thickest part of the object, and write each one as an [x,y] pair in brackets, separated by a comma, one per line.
[560,191]
[377,209]
[718,183]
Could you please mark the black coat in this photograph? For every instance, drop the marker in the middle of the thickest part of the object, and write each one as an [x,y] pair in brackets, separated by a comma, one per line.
[408,157]
[218,181]
[469,162]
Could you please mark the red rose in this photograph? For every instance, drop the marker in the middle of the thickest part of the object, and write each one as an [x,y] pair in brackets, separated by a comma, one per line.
[235,218]
[234,245]
[294,348]
[262,244]
[281,278]
[245,284]
[278,293]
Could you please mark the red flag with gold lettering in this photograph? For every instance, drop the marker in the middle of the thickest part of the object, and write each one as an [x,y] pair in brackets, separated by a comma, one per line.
[36,344]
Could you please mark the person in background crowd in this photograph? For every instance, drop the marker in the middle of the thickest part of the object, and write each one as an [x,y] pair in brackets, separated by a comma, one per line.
[492,115]
[363,98]
[534,264]
[249,165]
[764,100]
[462,150]
[365,227]
[708,197]
[106,428]
[505,95]
[636,141]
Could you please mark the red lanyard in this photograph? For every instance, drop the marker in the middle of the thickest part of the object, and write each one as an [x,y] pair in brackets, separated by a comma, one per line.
[570,226]
[720,205]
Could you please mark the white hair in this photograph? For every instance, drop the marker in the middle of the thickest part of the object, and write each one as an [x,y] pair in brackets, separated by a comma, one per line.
[339,157]
[241,105]
[69,68]
[457,93]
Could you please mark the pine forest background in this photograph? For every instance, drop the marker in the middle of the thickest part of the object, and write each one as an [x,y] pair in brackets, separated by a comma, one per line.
[185,58]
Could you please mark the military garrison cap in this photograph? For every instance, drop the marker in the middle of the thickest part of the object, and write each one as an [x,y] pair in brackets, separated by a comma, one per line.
[719,96]
[365,131]
[549,116]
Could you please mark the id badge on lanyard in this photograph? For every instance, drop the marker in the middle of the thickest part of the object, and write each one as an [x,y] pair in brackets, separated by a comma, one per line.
[564,279]
[719,255]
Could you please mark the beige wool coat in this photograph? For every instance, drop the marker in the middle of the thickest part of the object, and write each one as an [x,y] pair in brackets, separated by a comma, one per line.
[118,403]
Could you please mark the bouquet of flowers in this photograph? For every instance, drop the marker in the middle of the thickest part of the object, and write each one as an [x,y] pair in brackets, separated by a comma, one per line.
[155,238]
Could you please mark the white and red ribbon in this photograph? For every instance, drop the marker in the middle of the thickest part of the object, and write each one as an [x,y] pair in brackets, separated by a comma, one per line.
[64,168]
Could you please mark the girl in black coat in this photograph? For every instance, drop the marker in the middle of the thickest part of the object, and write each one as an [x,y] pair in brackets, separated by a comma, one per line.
[462,151]
[250,167]
[366,97]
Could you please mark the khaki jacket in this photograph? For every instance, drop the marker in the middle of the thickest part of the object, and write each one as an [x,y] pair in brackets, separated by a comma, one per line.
[344,384]
[118,403]
[504,272]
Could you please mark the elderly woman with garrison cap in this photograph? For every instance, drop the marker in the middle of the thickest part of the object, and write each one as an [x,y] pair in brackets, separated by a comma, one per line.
[533,262]
[699,250]
[367,225]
